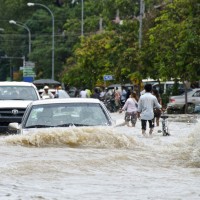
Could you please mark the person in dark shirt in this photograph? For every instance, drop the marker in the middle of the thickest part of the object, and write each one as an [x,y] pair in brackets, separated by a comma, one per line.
[95,94]
[128,93]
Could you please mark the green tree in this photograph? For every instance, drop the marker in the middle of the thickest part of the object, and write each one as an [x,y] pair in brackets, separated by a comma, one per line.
[174,42]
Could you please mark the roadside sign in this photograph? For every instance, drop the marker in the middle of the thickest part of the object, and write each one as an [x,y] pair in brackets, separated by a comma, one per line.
[28,79]
[108,77]
[28,71]
[29,64]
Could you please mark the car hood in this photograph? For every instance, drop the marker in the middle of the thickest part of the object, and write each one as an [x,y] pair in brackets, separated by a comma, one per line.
[14,103]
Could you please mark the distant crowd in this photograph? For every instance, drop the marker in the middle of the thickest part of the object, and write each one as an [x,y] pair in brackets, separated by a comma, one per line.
[147,107]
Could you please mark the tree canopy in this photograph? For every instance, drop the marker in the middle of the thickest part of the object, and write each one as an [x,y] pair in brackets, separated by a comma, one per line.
[109,44]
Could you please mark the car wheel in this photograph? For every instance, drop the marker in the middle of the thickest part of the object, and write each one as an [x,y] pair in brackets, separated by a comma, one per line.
[190,108]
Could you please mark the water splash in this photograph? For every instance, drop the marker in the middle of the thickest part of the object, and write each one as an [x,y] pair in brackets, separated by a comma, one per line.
[97,137]
[186,152]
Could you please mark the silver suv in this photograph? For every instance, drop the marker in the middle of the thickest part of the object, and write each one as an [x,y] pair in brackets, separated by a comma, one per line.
[14,99]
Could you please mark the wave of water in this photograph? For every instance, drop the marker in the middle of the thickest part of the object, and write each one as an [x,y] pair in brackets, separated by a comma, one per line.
[190,149]
[185,152]
[74,137]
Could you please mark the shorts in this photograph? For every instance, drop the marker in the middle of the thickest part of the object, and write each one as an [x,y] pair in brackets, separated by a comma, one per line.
[131,116]
[157,113]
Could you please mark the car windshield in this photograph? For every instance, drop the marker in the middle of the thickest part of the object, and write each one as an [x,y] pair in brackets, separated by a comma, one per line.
[66,114]
[18,93]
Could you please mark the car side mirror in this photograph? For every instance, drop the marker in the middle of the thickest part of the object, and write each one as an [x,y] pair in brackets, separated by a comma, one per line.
[13,126]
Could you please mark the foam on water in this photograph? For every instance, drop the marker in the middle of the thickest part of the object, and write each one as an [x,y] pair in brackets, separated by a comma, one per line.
[183,152]
[186,151]
[191,148]
[98,137]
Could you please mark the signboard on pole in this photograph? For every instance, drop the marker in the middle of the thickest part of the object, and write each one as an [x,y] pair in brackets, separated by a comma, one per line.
[28,71]
[108,77]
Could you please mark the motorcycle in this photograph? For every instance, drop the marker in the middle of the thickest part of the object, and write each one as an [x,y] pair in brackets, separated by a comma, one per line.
[110,104]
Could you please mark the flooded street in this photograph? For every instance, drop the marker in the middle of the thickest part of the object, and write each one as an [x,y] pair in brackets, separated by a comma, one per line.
[102,163]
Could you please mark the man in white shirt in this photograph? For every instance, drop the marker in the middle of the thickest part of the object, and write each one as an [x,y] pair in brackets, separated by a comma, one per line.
[83,94]
[47,94]
[146,104]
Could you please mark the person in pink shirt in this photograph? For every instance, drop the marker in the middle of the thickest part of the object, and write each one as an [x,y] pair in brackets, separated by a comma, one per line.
[130,107]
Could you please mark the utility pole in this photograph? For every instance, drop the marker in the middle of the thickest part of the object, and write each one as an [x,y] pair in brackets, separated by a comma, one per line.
[140,20]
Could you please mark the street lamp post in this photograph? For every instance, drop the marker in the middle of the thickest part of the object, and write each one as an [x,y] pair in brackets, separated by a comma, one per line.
[82,16]
[26,27]
[38,4]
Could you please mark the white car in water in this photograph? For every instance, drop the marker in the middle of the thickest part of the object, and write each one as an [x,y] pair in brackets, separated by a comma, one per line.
[56,113]
[14,99]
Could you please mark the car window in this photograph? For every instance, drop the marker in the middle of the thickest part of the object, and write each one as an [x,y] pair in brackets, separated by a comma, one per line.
[18,93]
[81,114]
[159,87]
[196,94]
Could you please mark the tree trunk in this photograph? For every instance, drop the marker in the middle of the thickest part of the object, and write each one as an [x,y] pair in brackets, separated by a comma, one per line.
[186,102]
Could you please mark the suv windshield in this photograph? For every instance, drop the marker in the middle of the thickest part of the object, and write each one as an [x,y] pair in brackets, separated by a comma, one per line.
[17,93]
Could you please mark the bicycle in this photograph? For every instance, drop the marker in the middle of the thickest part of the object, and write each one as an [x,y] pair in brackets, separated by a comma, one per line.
[165,129]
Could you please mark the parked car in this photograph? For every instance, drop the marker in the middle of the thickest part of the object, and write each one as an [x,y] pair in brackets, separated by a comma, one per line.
[56,113]
[14,99]
[177,103]
[61,94]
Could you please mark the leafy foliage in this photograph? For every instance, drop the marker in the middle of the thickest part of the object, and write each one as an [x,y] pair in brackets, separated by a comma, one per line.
[170,40]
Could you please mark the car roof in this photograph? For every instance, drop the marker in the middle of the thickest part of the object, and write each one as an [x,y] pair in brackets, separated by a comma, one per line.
[114,85]
[16,83]
[67,100]
[119,85]
[167,82]
[195,89]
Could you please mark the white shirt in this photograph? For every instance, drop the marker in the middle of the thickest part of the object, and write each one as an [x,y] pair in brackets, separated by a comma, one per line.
[123,96]
[130,105]
[83,94]
[146,104]
[102,94]
[49,94]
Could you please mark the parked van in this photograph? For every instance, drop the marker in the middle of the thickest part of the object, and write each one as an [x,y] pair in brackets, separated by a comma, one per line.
[164,87]
[149,81]
[167,86]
